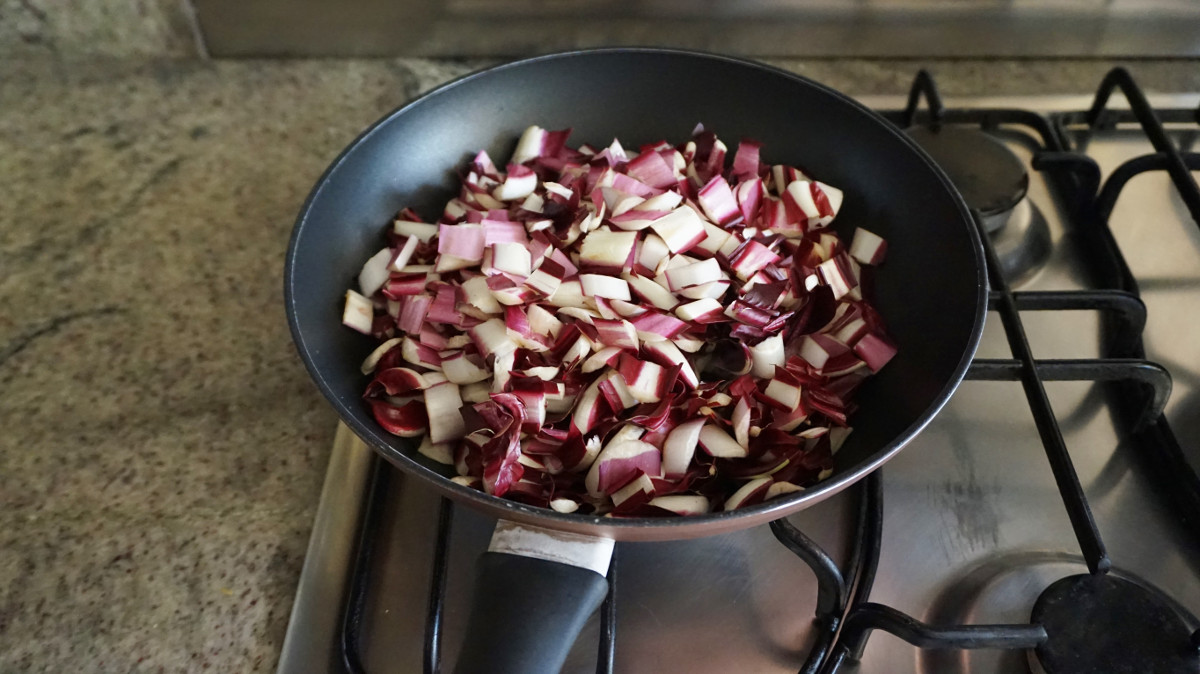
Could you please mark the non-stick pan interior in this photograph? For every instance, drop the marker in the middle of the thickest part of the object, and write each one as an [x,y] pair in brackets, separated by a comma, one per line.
[930,290]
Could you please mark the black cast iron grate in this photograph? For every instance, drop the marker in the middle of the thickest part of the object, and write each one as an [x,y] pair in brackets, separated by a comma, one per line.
[845,617]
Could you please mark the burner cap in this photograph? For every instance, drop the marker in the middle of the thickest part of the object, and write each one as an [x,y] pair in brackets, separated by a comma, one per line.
[1107,625]
[989,176]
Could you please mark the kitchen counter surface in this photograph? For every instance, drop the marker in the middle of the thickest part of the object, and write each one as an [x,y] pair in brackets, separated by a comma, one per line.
[163,449]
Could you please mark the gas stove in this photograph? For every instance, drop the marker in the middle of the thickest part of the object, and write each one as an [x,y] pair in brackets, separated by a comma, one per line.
[1048,520]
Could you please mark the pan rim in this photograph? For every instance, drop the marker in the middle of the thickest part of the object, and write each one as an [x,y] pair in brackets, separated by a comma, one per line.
[671,527]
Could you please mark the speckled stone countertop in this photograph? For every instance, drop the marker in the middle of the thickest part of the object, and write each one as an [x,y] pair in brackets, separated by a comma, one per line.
[162,448]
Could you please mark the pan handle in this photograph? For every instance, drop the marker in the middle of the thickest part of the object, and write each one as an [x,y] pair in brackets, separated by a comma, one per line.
[535,589]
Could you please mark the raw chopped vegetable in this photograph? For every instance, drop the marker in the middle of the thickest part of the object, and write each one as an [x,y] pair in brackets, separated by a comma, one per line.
[604,331]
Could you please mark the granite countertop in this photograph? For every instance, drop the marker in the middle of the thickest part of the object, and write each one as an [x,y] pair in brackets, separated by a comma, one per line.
[163,448]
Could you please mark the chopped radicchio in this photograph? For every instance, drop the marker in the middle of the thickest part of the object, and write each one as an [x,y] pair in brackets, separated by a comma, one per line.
[621,333]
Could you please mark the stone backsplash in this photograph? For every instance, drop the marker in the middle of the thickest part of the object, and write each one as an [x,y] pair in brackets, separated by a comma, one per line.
[83,29]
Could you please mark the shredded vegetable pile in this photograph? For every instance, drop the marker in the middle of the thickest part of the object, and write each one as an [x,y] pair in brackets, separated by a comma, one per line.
[624,333]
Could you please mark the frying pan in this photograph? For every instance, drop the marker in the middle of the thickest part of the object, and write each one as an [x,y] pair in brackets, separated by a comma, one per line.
[544,575]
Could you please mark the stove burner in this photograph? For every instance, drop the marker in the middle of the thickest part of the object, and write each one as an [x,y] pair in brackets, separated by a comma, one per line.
[989,176]
[992,180]
[1023,244]
[1109,625]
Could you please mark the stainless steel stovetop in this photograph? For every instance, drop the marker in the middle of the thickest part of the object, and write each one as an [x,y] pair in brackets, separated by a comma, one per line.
[973,525]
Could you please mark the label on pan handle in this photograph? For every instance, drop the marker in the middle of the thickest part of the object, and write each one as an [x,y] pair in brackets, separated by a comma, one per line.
[587,552]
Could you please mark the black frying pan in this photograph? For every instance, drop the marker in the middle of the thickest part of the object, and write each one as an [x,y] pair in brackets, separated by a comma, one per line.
[931,291]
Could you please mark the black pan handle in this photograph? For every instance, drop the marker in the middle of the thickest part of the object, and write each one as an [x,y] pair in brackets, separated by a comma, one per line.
[534,591]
